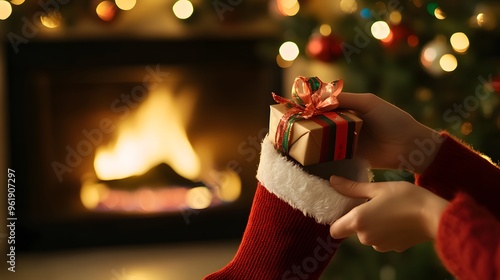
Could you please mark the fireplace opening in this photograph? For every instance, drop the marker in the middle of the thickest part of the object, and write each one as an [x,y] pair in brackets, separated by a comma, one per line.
[137,141]
[150,165]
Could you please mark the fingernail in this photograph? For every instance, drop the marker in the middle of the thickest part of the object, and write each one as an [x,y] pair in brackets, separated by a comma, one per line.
[333,178]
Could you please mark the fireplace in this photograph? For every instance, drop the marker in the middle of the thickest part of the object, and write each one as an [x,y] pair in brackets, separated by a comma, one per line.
[123,141]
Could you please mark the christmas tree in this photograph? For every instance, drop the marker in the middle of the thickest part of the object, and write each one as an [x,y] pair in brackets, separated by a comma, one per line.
[436,61]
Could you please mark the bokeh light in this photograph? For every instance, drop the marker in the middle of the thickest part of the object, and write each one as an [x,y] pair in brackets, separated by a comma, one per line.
[325,30]
[395,17]
[125,5]
[389,38]
[199,198]
[466,128]
[5,10]
[439,14]
[283,63]
[183,9]
[16,2]
[365,13]
[429,54]
[51,20]
[380,30]
[459,42]
[448,62]
[106,10]
[288,7]
[412,41]
[348,6]
[289,51]
[487,20]
[423,94]
[431,8]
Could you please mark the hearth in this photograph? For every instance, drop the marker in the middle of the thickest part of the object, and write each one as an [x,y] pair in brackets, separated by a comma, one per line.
[123,141]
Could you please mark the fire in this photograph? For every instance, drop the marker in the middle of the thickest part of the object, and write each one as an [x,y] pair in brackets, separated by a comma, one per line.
[154,134]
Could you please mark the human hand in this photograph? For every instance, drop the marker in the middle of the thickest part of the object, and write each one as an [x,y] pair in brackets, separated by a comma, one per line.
[389,135]
[397,216]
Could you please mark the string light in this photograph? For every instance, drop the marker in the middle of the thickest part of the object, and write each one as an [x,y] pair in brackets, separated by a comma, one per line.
[325,29]
[412,41]
[380,30]
[183,9]
[448,62]
[5,10]
[486,20]
[288,7]
[348,6]
[289,51]
[389,38]
[283,63]
[439,14]
[106,10]
[466,128]
[51,20]
[431,8]
[16,2]
[365,13]
[459,42]
[395,17]
[125,5]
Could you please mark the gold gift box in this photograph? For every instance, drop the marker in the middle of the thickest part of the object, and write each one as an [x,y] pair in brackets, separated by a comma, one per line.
[321,138]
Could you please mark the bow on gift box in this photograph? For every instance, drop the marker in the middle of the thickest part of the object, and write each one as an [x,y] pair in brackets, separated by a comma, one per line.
[310,97]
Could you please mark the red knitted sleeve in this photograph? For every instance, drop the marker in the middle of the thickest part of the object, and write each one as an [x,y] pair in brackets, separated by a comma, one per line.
[457,167]
[468,240]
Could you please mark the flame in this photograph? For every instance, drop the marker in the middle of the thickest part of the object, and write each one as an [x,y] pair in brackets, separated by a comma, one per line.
[154,134]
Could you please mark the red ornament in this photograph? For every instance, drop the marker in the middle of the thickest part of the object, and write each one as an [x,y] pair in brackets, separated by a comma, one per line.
[324,48]
[399,34]
[495,83]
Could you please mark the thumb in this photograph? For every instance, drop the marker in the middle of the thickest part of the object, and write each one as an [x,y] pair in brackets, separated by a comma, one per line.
[353,189]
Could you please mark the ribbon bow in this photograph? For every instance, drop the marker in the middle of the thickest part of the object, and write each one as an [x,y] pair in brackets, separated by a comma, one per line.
[310,97]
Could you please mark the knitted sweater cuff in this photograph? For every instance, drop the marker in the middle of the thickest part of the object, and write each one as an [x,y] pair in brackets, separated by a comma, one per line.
[467,239]
[451,168]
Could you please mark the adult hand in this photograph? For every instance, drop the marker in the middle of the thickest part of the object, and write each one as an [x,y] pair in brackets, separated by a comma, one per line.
[389,135]
[397,216]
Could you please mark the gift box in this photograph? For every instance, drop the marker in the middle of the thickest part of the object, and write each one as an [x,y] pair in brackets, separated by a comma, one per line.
[322,136]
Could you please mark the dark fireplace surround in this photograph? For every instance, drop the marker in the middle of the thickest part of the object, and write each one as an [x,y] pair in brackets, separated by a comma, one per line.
[65,97]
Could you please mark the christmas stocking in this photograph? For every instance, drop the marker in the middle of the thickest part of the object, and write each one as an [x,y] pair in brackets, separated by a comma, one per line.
[287,234]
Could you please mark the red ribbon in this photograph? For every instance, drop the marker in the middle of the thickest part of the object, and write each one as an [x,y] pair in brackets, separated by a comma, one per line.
[310,97]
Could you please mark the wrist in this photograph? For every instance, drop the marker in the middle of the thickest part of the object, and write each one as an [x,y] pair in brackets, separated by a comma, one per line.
[431,213]
[423,145]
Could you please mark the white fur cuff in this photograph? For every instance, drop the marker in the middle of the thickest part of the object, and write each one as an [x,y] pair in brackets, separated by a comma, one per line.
[310,194]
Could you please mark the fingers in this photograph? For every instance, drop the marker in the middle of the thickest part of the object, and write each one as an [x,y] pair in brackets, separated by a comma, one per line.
[349,223]
[353,189]
[359,102]
[343,227]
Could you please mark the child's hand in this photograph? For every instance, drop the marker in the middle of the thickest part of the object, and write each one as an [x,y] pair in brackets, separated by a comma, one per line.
[389,133]
[397,216]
